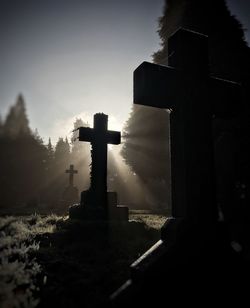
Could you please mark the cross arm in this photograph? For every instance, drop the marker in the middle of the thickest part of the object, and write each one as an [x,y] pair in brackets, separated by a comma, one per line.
[85,134]
[226,97]
[156,85]
[113,137]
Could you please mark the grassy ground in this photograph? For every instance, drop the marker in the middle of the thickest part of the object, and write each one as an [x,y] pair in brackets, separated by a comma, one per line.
[19,268]
[50,261]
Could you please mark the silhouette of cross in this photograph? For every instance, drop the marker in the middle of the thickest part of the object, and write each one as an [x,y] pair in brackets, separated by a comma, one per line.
[71,172]
[99,137]
[194,99]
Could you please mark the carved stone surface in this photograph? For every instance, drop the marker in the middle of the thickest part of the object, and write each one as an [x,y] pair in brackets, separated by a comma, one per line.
[96,203]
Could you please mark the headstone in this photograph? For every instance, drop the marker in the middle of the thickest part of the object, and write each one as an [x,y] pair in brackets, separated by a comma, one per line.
[194,99]
[71,173]
[96,202]
[193,242]
[71,193]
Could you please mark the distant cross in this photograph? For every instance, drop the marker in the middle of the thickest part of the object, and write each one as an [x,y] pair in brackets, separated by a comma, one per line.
[99,137]
[71,172]
[194,97]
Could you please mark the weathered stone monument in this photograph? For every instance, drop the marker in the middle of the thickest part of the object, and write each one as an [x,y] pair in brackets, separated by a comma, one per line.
[96,202]
[193,242]
[70,193]
[195,99]
[71,173]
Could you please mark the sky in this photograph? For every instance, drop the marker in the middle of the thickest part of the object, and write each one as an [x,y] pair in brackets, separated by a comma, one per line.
[73,58]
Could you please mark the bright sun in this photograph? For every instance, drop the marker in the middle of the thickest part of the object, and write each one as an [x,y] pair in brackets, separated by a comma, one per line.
[63,127]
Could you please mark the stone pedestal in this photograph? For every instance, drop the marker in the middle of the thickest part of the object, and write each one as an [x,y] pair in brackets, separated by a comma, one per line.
[192,261]
[69,196]
[89,210]
[116,212]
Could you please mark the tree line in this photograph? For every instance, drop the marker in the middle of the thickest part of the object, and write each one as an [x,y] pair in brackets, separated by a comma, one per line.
[32,172]
[33,178]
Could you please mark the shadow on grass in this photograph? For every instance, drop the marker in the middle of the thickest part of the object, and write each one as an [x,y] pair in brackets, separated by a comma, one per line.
[85,262]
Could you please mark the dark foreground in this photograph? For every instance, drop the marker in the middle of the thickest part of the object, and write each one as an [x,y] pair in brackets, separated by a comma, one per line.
[52,262]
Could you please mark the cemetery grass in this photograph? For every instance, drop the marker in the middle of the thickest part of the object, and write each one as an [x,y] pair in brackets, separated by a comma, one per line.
[50,261]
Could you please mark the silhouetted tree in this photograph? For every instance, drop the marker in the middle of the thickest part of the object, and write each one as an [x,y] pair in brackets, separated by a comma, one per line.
[23,171]
[1,126]
[228,50]
[80,156]
[37,136]
[50,149]
[62,153]
[23,160]
[17,122]
[146,151]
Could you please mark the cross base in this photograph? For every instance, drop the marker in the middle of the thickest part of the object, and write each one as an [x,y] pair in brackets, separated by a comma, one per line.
[191,259]
[90,211]
[70,194]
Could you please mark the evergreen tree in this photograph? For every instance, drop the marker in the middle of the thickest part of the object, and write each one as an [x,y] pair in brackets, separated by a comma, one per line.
[228,50]
[78,148]
[51,197]
[50,160]
[62,153]
[23,171]
[37,137]
[50,150]
[80,156]
[17,122]
[1,126]
[146,150]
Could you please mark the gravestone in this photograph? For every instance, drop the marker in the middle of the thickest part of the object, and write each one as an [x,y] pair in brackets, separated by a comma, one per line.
[96,202]
[71,173]
[70,193]
[195,99]
[193,242]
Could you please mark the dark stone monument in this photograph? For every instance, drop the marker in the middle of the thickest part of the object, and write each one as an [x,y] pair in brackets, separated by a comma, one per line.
[195,99]
[96,202]
[71,193]
[71,173]
[193,242]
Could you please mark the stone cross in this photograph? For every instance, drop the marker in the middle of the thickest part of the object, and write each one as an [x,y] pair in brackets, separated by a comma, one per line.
[99,137]
[71,172]
[194,99]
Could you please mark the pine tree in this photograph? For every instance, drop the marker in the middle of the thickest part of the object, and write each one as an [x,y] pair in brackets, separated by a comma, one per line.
[228,50]
[146,150]
[17,122]
[50,158]
[50,149]
[80,156]
[78,148]
[37,136]
[67,146]
[23,161]
[62,152]
[1,126]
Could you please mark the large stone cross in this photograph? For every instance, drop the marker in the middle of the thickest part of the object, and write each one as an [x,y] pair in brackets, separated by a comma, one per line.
[194,98]
[99,137]
[71,172]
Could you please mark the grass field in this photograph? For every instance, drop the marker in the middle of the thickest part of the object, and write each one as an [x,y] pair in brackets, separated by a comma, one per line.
[49,261]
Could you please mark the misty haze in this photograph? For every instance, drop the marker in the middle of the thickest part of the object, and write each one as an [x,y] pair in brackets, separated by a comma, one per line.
[125,152]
